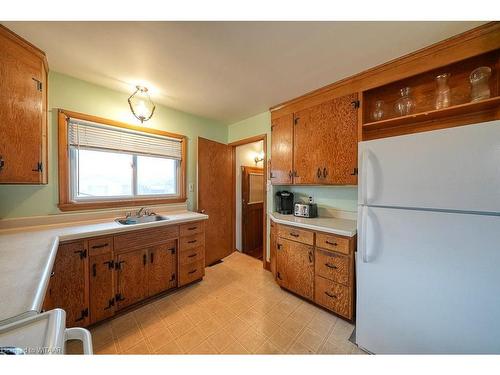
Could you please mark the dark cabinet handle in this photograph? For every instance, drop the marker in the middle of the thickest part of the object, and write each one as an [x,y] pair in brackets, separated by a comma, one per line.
[331,266]
[310,257]
[294,234]
[52,274]
[192,228]
[83,253]
[354,172]
[290,174]
[110,264]
[151,256]
[2,163]
[144,259]
[192,255]
[192,241]
[331,295]
[318,173]
[94,270]
[100,246]
[193,271]
[325,172]
[111,303]
[331,243]
[118,265]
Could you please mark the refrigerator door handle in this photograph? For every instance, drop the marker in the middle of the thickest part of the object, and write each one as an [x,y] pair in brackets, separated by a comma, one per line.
[362,233]
[362,185]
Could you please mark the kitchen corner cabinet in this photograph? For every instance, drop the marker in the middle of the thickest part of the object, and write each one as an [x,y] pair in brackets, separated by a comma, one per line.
[322,148]
[317,266]
[95,278]
[23,111]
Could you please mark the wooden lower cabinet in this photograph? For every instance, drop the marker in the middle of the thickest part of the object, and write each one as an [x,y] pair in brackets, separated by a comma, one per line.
[162,268]
[273,243]
[317,266]
[101,287]
[68,285]
[295,267]
[92,279]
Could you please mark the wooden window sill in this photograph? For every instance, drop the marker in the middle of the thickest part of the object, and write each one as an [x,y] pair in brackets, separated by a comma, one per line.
[76,206]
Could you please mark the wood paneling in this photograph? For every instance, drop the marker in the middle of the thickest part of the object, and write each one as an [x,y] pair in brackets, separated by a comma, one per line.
[145,237]
[272,246]
[333,296]
[65,202]
[282,150]
[295,267]
[69,287]
[252,218]
[332,266]
[132,277]
[296,234]
[23,111]
[471,43]
[101,286]
[215,174]
[162,268]
[333,242]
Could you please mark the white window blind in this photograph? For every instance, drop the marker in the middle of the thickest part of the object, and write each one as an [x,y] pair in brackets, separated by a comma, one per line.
[98,136]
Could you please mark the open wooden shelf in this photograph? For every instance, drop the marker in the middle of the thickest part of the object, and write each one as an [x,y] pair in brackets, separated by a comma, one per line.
[486,105]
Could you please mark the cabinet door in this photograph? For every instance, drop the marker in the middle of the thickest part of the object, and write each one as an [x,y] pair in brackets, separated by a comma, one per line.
[132,277]
[162,268]
[340,149]
[295,267]
[272,246]
[22,113]
[101,290]
[282,150]
[67,287]
[309,143]
[325,143]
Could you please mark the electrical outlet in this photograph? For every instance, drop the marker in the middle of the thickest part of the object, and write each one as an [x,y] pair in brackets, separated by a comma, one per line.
[191,187]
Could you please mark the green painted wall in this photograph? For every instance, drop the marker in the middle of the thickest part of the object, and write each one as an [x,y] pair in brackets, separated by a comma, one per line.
[339,197]
[80,96]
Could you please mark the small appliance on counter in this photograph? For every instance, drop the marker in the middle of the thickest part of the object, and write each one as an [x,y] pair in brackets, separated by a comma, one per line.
[284,202]
[306,209]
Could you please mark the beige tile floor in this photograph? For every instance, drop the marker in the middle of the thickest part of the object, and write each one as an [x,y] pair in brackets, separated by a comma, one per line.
[236,309]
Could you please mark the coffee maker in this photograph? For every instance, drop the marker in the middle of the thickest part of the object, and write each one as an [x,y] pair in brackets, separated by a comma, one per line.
[284,202]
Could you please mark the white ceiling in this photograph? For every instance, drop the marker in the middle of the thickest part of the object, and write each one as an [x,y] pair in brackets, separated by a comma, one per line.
[226,71]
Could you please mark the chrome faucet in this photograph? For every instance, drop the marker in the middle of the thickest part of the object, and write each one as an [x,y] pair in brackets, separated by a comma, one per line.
[140,212]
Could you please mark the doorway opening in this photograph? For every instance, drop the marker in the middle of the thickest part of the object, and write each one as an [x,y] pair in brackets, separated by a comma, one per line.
[249,187]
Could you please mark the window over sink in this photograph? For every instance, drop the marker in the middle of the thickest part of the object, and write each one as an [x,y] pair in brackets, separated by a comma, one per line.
[103,163]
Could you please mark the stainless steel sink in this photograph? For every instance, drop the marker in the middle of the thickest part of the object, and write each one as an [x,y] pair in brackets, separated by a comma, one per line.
[131,220]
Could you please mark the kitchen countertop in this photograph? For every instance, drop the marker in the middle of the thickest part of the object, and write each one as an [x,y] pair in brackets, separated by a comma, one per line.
[27,256]
[343,227]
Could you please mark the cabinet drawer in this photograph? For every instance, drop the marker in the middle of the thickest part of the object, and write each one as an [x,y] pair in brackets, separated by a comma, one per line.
[333,296]
[191,272]
[142,238]
[190,242]
[296,234]
[192,255]
[101,245]
[191,228]
[332,242]
[332,266]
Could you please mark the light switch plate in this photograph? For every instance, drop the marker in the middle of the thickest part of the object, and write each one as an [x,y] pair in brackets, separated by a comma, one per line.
[191,187]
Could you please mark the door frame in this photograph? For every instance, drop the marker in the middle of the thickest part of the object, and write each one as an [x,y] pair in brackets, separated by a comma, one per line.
[241,142]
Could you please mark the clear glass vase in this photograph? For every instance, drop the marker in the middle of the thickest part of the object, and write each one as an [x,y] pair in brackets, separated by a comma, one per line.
[443,92]
[480,85]
[378,111]
[404,105]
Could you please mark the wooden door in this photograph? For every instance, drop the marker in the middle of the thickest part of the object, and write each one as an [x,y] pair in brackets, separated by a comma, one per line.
[22,112]
[68,287]
[296,267]
[101,287]
[162,268]
[215,197]
[132,277]
[339,151]
[282,150]
[252,210]
[308,143]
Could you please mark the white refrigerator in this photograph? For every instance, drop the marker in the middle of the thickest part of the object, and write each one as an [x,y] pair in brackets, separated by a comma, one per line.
[428,256]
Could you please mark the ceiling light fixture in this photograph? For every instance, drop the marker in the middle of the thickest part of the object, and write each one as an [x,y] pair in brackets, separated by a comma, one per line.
[141,104]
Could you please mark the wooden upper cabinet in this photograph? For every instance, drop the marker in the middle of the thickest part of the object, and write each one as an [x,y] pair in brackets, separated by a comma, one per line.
[282,150]
[325,143]
[23,111]
[162,268]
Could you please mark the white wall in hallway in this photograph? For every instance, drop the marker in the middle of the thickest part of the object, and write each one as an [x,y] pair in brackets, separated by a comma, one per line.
[245,155]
